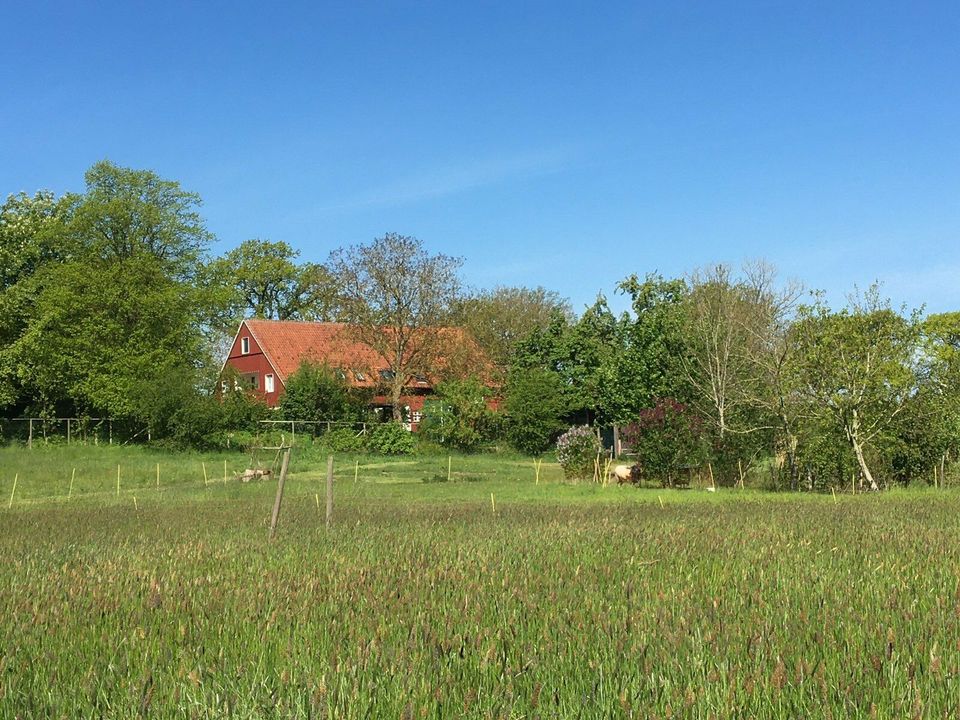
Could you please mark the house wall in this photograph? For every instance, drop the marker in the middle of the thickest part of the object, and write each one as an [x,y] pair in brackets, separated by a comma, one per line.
[254,363]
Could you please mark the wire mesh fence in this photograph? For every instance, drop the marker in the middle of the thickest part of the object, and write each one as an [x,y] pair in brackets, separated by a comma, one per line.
[31,431]
[292,431]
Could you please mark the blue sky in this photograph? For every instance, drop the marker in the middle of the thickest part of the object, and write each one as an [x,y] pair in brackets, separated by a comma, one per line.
[559,144]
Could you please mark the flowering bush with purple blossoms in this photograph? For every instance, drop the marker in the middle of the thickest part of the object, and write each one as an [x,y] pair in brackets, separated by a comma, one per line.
[577,450]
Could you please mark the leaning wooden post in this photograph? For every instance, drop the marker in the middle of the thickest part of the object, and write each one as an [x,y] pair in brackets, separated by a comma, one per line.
[72,476]
[158,476]
[13,492]
[356,472]
[329,490]
[118,481]
[449,466]
[276,503]
[224,472]
[204,466]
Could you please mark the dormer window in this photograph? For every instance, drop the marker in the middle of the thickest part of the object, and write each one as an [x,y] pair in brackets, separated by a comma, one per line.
[421,379]
[244,346]
[340,374]
[387,375]
[360,376]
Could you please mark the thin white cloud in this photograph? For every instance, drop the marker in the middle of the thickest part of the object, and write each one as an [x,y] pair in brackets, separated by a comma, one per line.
[452,179]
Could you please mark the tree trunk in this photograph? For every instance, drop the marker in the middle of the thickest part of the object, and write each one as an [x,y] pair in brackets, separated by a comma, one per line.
[396,391]
[790,447]
[853,432]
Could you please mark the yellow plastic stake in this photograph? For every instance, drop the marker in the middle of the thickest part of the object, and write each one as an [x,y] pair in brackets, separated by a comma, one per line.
[493,504]
[204,466]
[356,471]
[661,501]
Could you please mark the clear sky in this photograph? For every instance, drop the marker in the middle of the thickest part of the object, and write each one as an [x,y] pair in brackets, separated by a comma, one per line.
[557,143]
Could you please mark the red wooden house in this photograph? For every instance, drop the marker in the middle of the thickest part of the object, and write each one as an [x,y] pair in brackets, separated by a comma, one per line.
[265,353]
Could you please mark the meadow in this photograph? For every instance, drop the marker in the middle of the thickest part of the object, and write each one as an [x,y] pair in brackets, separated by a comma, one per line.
[483,596]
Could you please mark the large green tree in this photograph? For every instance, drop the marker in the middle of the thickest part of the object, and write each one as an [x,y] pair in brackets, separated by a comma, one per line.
[30,238]
[649,346]
[576,353]
[264,279]
[112,297]
[855,369]
[500,318]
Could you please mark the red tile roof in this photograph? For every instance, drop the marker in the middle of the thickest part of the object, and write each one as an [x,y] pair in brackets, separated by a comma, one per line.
[288,343]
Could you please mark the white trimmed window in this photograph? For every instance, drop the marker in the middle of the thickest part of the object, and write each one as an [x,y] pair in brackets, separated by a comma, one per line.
[244,346]
[268,383]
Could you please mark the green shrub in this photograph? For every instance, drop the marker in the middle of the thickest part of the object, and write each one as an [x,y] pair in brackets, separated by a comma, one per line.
[577,451]
[343,440]
[391,439]
[667,437]
[428,447]
[317,392]
[459,417]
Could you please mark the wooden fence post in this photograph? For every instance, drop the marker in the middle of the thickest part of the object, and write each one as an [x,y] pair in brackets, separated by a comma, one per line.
[276,503]
[329,490]
[30,435]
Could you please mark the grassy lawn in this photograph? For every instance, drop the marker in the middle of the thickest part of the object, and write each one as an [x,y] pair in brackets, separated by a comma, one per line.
[422,601]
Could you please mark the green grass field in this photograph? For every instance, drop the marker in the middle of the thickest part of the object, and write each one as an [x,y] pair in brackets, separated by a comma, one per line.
[423,601]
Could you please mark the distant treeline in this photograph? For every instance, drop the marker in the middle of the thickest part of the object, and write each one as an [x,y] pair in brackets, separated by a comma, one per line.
[111,305]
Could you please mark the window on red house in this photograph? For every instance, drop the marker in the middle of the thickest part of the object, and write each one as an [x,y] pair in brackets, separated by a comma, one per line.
[245,346]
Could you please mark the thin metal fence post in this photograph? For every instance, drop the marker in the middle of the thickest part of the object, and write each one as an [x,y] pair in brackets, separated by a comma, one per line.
[329,490]
[276,504]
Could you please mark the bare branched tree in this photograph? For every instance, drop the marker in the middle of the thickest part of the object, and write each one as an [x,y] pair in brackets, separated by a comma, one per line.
[398,300]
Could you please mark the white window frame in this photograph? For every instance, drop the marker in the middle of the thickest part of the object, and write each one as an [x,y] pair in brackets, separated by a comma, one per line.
[268,385]
[245,345]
